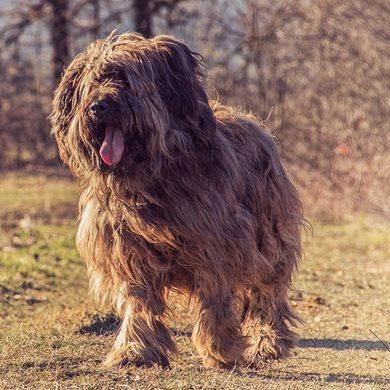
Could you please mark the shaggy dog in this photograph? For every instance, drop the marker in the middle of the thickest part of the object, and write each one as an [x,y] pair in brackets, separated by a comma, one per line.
[178,193]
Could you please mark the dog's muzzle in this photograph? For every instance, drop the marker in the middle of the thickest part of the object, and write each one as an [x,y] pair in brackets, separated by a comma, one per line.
[99,109]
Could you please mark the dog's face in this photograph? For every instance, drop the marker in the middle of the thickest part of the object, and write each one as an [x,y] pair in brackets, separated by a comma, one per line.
[128,100]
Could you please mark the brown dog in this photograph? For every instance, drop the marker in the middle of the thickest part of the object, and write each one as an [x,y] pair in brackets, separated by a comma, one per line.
[178,193]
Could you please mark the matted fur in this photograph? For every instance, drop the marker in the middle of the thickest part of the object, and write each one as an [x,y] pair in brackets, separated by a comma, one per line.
[199,203]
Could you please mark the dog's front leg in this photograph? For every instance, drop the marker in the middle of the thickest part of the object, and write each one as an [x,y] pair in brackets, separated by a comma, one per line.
[143,339]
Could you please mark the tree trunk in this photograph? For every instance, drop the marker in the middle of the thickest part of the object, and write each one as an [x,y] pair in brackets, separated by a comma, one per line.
[59,30]
[96,18]
[143,17]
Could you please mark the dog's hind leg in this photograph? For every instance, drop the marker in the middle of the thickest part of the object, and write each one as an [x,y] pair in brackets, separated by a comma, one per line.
[217,334]
[266,318]
[143,338]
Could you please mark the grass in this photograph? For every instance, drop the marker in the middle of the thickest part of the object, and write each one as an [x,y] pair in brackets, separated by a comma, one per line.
[52,335]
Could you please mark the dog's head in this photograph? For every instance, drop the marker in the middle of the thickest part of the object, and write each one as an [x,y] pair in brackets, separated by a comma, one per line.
[127,100]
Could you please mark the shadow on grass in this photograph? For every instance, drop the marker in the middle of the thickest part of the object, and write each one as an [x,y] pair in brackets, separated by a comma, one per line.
[101,325]
[342,345]
[328,378]
[104,325]
[109,323]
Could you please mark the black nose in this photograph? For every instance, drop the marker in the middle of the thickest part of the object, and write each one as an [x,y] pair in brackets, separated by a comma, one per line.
[99,107]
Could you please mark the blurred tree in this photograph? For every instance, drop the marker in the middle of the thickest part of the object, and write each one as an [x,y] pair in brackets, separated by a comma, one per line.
[56,14]
[143,14]
[96,18]
[146,10]
[59,29]
[317,71]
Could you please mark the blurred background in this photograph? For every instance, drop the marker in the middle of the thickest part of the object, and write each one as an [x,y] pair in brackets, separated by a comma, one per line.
[317,71]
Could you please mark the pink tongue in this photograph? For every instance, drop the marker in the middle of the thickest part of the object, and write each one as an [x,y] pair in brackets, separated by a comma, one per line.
[112,147]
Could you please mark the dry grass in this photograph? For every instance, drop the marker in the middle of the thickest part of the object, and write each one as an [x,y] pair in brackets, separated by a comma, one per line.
[53,336]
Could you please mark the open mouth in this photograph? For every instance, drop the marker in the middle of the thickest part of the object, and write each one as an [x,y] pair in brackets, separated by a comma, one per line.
[113,145]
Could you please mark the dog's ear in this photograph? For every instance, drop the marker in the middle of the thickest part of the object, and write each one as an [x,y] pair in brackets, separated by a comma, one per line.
[178,75]
[179,78]
[65,102]
[65,94]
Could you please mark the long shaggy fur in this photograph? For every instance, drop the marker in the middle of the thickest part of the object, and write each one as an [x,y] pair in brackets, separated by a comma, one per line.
[199,203]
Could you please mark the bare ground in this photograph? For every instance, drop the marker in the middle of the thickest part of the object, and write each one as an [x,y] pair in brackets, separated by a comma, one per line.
[53,336]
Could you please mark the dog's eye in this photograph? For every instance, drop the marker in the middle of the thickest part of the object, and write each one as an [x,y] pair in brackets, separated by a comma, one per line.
[122,78]
[117,76]
[111,75]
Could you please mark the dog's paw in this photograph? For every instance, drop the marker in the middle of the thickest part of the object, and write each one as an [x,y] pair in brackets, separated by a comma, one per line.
[212,362]
[267,344]
[267,350]
[129,357]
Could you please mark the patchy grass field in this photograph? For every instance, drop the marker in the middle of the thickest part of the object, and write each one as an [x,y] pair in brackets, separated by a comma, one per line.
[52,335]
